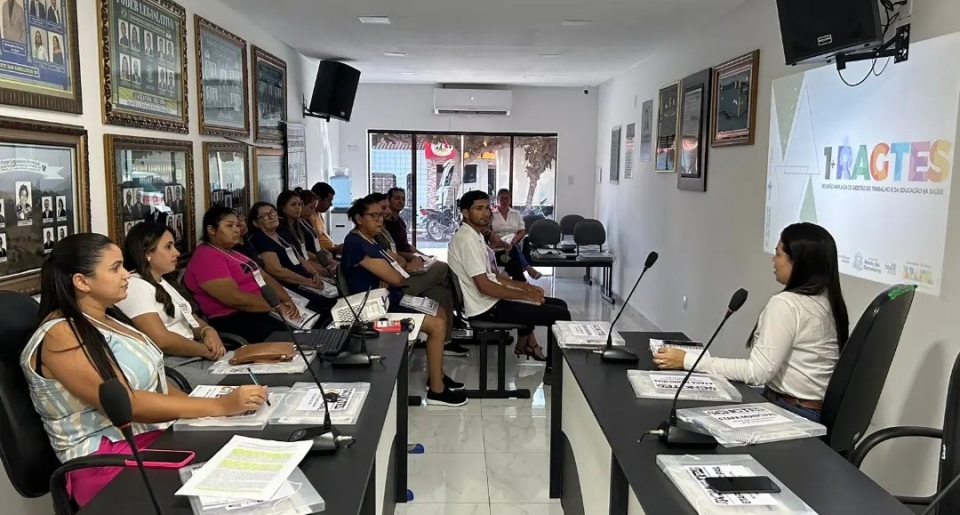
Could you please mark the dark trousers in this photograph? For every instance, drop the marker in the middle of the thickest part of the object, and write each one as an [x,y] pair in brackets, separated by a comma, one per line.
[545,315]
[253,327]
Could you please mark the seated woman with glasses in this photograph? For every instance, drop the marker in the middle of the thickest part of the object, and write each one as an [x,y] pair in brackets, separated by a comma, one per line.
[282,259]
[507,233]
[78,347]
[226,284]
[158,309]
[366,266]
[303,225]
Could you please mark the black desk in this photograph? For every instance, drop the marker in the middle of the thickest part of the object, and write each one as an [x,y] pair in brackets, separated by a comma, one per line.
[366,479]
[570,261]
[596,460]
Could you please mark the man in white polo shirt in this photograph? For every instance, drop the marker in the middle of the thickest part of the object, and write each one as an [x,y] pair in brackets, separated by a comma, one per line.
[490,296]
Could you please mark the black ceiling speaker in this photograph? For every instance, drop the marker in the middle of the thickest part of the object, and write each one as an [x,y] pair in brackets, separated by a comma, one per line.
[334,91]
[818,30]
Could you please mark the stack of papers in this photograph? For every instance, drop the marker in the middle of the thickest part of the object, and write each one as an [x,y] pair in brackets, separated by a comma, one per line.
[656,345]
[749,424]
[421,305]
[249,473]
[585,335]
[688,474]
[303,404]
[251,420]
[651,384]
[307,317]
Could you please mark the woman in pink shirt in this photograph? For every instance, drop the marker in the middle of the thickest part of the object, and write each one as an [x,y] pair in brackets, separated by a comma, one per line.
[226,284]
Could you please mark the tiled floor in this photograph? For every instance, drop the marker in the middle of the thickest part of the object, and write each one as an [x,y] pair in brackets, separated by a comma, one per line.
[490,457]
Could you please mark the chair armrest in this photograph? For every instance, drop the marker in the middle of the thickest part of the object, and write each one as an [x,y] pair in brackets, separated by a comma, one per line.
[178,380]
[891,433]
[58,480]
[232,341]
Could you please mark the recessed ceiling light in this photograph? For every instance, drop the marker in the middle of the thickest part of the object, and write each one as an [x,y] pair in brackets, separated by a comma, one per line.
[374,20]
[408,73]
[394,54]
[533,76]
[551,56]
[575,23]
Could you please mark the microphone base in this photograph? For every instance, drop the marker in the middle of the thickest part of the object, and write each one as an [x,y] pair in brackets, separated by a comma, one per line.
[360,360]
[325,444]
[619,356]
[673,436]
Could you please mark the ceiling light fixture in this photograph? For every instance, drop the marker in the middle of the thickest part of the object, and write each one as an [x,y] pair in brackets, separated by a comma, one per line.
[394,54]
[374,20]
[408,73]
[551,56]
[576,23]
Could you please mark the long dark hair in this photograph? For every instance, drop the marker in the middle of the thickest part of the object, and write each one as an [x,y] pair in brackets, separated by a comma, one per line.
[213,217]
[294,225]
[77,254]
[813,253]
[142,239]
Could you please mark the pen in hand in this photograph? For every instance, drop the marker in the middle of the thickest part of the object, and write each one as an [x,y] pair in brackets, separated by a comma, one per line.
[254,379]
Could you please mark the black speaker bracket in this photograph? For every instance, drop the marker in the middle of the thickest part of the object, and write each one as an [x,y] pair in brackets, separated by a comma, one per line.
[898,48]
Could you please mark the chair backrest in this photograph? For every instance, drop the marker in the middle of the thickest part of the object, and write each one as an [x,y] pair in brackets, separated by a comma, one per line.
[569,223]
[25,449]
[589,232]
[950,446]
[529,220]
[341,281]
[854,389]
[544,233]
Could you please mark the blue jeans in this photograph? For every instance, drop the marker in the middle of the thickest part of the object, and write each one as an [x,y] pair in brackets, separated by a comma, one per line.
[807,413]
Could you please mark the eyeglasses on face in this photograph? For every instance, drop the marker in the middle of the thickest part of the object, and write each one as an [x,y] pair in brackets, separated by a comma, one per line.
[268,215]
[374,216]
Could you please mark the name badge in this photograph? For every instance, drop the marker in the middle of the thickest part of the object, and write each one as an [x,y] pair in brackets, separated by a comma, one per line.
[393,247]
[316,245]
[187,312]
[292,255]
[396,266]
[257,276]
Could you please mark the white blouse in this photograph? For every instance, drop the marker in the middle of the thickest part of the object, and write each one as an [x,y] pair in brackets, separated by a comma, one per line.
[141,299]
[795,349]
[507,228]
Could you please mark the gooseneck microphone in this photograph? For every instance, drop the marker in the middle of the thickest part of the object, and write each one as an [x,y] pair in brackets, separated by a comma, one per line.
[329,440]
[624,356]
[115,402]
[668,431]
[357,330]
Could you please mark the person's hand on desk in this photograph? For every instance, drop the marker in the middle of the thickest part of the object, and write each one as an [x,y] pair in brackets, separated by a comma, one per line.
[241,399]
[669,359]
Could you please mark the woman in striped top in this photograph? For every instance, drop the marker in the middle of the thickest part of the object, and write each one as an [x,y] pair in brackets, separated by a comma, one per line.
[78,346]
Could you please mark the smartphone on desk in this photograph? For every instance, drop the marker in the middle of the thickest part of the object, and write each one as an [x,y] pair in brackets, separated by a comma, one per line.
[163,459]
[743,485]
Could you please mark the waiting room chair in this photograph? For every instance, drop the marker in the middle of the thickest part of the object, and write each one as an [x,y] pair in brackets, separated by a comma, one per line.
[589,232]
[544,234]
[28,458]
[854,389]
[487,332]
[529,220]
[568,223]
[949,454]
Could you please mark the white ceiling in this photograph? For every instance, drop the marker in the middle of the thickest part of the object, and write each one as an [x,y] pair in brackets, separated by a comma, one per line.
[482,41]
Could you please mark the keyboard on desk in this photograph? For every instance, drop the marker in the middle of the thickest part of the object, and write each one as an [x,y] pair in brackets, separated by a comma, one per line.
[327,342]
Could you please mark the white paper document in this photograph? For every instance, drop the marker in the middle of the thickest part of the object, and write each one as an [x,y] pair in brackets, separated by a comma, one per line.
[209,503]
[587,335]
[250,417]
[747,416]
[700,473]
[247,468]
[420,305]
[656,345]
[313,401]
[671,381]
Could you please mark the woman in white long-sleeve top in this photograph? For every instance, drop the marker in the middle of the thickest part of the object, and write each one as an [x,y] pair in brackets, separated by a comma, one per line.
[797,342]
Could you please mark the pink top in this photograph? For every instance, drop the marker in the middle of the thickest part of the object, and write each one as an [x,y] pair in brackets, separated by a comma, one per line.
[209,264]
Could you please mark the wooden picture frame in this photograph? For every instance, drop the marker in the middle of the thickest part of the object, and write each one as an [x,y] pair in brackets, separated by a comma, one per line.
[35,155]
[221,80]
[36,77]
[269,97]
[268,174]
[692,150]
[296,155]
[668,128]
[160,172]
[155,95]
[226,177]
[734,112]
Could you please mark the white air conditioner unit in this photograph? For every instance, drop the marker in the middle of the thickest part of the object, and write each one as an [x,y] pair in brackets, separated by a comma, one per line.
[472,101]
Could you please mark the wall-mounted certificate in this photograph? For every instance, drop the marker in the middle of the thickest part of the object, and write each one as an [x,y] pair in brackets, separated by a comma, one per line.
[296,156]
[39,65]
[222,79]
[268,174]
[144,72]
[44,196]
[270,105]
[225,168]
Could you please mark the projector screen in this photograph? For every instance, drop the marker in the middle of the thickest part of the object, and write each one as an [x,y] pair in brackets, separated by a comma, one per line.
[872,163]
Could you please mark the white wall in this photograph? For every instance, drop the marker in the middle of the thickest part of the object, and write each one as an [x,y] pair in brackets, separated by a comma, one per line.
[565,111]
[87,17]
[323,137]
[711,243]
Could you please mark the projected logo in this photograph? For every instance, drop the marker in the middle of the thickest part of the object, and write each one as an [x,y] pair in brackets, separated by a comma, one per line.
[918,272]
[919,161]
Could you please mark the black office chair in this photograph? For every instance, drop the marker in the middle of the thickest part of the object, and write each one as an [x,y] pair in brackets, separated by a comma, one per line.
[486,333]
[28,459]
[568,223]
[529,220]
[589,232]
[854,389]
[949,454]
[544,234]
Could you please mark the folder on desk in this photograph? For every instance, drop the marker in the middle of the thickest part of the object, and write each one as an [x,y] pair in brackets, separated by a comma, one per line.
[663,384]
[250,421]
[688,474]
[585,335]
[303,499]
[750,424]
